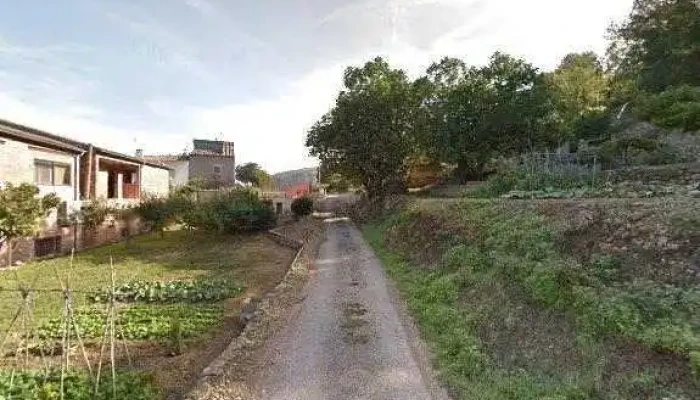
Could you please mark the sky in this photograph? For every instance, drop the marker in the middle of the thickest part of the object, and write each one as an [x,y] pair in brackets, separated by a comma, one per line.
[154,74]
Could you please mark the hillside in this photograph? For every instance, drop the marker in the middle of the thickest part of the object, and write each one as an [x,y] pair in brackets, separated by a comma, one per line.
[556,299]
[287,179]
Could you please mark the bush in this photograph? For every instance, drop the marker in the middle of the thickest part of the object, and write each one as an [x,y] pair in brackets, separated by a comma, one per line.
[302,206]
[676,108]
[234,212]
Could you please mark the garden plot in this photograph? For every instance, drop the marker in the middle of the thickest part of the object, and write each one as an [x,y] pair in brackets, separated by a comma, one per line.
[177,305]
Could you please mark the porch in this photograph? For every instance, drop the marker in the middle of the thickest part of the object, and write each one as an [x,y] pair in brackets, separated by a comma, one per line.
[118,181]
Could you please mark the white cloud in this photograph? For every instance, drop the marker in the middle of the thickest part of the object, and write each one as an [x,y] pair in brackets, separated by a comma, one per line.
[75,122]
[271,132]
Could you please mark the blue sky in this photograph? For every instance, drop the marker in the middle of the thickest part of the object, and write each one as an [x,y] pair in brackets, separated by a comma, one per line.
[154,74]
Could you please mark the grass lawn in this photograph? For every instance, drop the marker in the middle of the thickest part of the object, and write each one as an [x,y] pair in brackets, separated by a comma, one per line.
[252,262]
[510,313]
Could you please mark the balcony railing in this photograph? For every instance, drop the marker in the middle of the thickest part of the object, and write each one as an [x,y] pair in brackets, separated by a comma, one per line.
[131,191]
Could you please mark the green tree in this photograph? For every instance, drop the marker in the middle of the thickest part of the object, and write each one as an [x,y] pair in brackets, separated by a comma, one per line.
[579,87]
[499,109]
[658,45]
[263,180]
[369,132]
[21,211]
[247,172]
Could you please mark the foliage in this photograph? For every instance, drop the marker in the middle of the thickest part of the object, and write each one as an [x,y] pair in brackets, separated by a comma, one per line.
[658,45]
[93,213]
[523,181]
[140,322]
[505,253]
[499,109]
[579,87]
[302,206]
[169,292]
[247,173]
[624,151]
[336,183]
[232,212]
[676,108]
[367,135]
[156,211]
[21,211]
[77,386]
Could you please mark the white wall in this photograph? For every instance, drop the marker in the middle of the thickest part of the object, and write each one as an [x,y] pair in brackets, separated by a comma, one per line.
[180,174]
[17,166]
[155,181]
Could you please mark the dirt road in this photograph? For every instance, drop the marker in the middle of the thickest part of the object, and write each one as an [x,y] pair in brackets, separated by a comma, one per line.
[350,338]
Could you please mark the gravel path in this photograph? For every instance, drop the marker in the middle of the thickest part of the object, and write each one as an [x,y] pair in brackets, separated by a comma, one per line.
[350,338]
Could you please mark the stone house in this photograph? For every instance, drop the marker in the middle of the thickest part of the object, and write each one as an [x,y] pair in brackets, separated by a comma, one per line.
[211,161]
[76,172]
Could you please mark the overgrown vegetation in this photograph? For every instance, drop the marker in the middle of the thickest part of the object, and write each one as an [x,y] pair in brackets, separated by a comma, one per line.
[234,211]
[479,303]
[77,386]
[302,206]
[466,115]
[21,210]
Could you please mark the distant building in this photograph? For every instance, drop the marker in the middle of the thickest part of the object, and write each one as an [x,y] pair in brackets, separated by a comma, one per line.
[211,161]
[299,190]
[289,179]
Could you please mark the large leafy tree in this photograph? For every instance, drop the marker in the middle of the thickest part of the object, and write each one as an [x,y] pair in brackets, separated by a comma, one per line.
[21,211]
[248,172]
[580,88]
[499,109]
[369,132]
[658,45]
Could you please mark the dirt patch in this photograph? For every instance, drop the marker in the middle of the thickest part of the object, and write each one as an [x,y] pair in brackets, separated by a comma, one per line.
[424,237]
[658,370]
[654,239]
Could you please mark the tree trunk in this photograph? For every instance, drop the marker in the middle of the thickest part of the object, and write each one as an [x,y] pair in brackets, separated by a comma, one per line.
[463,171]
[9,252]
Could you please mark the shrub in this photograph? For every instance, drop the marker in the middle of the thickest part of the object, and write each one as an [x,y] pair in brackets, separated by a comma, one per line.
[676,108]
[302,206]
[155,211]
[234,212]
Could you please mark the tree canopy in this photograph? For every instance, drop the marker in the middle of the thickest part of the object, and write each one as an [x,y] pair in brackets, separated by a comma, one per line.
[658,45]
[21,211]
[367,134]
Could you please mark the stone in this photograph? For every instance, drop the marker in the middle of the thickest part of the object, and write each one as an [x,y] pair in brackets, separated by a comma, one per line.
[694,193]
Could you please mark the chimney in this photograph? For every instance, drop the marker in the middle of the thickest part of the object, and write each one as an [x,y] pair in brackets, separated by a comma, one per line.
[139,153]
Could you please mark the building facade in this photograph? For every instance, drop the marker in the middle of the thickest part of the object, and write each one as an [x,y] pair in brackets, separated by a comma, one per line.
[212,162]
[77,173]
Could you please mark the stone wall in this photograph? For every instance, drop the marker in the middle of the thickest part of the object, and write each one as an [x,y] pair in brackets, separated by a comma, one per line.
[678,174]
[111,231]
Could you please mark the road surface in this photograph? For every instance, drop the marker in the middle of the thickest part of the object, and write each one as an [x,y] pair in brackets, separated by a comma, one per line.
[350,337]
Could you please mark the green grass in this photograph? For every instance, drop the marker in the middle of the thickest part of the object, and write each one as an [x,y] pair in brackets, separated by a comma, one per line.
[179,255]
[77,386]
[485,309]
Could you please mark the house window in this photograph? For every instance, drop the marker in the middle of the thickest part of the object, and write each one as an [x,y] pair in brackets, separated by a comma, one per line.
[51,174]
[217,169]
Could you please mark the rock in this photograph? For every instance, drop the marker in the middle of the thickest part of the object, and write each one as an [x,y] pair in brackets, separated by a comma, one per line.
[694,193]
